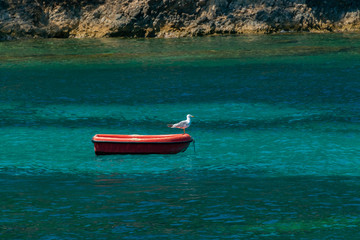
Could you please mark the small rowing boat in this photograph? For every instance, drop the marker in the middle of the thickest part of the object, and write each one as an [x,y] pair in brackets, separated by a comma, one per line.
[140,144]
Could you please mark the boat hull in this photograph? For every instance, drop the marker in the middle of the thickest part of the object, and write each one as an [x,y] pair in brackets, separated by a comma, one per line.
[105,144]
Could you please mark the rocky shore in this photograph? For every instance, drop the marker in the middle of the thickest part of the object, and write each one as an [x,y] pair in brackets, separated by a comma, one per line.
[172,18]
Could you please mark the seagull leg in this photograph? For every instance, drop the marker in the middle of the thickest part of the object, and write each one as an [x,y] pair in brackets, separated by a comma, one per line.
[184,130]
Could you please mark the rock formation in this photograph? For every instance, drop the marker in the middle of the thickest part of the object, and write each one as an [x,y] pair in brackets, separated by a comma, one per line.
[172,18]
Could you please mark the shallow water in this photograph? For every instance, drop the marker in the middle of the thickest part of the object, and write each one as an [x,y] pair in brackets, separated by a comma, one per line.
[276,128]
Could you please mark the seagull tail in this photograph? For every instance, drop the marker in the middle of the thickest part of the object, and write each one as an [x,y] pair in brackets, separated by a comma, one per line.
[170,125]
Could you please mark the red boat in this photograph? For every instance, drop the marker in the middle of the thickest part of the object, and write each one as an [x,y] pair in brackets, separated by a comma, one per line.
[140,144]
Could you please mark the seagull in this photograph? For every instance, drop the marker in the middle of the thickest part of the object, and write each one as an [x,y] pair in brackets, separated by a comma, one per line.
[183,124]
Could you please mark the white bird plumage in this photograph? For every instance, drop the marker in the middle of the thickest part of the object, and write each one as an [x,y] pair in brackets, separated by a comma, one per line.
[183,124]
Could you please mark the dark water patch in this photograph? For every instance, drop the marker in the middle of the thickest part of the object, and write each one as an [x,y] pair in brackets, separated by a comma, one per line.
[80,122]
[300,120]
[180,205]
[300,84]
[280,122]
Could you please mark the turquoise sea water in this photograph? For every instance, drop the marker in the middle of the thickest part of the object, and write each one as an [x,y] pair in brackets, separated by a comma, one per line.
[277,130]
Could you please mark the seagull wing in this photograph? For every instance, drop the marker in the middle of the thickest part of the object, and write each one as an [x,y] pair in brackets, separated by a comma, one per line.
[182,124]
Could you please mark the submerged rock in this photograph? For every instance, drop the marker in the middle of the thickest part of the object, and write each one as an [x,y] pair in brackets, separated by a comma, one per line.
[172,18]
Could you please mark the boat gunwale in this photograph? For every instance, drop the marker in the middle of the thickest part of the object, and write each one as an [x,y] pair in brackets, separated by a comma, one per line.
[143,139]
[120,142]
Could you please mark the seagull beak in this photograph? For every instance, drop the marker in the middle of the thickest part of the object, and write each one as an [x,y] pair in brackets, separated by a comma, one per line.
[192,116]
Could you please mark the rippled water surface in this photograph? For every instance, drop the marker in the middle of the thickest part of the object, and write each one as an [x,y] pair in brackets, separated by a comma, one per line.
[277,130]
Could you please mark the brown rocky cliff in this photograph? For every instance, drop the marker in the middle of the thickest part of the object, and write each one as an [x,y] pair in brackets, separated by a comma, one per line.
[172,18]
